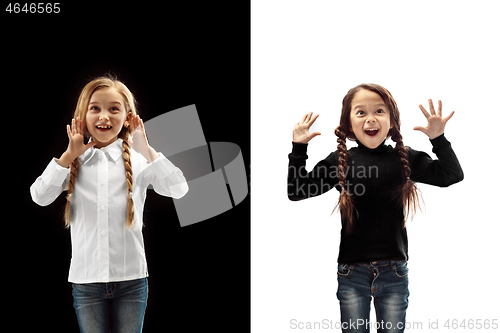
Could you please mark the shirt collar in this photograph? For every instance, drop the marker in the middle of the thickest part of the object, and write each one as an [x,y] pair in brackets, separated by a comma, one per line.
[113,150]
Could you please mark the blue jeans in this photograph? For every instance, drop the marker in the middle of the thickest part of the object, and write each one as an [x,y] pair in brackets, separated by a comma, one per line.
[386,282]
[111,307]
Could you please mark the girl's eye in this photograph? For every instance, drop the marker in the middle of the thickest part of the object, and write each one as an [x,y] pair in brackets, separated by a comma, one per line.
[380,111]
[359,113]
[94,108]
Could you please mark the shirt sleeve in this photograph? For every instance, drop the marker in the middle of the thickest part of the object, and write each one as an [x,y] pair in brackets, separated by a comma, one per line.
[52,182]
[166,178]
[303,184]
[443,172]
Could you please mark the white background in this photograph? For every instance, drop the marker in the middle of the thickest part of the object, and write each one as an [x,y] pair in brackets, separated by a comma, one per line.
[305,56]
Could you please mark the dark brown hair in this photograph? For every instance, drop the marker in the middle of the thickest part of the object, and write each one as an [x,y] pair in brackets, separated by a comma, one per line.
[409,192]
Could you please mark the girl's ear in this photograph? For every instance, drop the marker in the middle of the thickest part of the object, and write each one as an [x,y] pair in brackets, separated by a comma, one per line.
[127,120]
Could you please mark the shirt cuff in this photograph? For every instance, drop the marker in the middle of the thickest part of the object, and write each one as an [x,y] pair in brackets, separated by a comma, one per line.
[162,167]
[54,174]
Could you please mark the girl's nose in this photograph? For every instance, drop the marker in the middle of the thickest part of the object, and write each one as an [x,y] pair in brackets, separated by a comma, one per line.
[103,117]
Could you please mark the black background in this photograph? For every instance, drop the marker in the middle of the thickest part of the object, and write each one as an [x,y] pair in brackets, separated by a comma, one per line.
[169,56]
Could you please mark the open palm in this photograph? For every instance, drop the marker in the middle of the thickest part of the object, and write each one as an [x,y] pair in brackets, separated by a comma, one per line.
[76,145]
[139,141]
[301,132]
[435,122]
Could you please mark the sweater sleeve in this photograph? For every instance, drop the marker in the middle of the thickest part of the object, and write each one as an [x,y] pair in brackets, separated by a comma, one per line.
[303,184]
[443,172]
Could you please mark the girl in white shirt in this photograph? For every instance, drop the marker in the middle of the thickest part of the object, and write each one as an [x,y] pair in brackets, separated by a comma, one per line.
[106,182]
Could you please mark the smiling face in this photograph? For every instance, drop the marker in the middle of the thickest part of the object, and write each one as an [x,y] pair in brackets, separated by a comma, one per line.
[370,118]
[106,116]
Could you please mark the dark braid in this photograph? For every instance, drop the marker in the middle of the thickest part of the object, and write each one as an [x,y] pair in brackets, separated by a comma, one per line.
[409,191]
[345,204]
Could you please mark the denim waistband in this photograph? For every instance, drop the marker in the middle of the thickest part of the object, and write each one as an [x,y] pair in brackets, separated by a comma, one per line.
[381,263]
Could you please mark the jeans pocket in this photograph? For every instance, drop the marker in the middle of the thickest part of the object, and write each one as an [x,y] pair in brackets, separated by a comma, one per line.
[344,270]
[400,269]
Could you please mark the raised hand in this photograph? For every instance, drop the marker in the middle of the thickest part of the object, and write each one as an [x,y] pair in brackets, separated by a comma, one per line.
[301,132]
[76,145]
[139,141]
[435,122]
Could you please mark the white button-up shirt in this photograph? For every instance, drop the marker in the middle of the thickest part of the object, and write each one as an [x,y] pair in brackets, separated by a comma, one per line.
[103,249]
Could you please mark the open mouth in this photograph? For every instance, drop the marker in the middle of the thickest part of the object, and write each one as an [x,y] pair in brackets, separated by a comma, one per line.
[371,131]
[103,127]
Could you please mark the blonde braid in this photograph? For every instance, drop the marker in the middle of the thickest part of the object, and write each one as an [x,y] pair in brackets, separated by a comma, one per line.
[71,186]
[130,183]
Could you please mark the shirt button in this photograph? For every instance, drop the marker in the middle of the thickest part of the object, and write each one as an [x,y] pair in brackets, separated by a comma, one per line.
[102,207]
[102,183]
[103,233]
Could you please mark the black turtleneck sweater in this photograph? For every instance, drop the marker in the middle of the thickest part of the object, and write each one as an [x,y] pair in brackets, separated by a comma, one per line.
[374,179]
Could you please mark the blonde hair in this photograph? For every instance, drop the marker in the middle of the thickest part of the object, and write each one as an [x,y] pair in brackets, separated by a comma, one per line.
[81,111]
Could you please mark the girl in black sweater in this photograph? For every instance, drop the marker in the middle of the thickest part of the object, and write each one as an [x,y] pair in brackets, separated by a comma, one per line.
[377,195]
